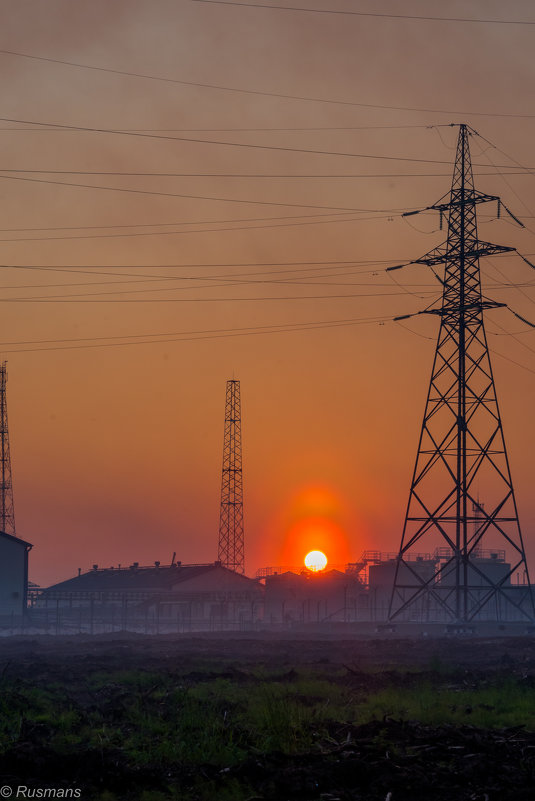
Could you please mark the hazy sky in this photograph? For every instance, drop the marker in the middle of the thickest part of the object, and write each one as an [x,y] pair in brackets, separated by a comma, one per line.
[116,450]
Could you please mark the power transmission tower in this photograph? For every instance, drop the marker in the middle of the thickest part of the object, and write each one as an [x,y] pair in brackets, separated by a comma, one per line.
[7,513]
[231,546]
[461,456]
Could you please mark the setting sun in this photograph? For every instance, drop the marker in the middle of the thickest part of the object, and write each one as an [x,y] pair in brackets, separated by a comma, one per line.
[315,560]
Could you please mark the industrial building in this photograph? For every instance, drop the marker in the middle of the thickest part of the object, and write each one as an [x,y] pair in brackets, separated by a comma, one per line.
[174,597]
[362,591]
[13,575]
[211,597]
[392,579]
[381,580]
[314,597]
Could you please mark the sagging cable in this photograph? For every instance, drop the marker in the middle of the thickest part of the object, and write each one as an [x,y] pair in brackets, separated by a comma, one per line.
[510,213]
[526,260]
[523,319]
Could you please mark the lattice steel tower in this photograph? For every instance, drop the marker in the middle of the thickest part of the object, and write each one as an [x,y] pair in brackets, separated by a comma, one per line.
[7,513]
[461,512]
[231,546]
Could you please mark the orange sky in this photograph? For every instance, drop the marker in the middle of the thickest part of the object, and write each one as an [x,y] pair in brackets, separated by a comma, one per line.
[116,451]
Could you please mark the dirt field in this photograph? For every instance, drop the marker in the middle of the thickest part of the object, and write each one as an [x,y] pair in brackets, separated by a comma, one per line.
[290,648]
[384,757]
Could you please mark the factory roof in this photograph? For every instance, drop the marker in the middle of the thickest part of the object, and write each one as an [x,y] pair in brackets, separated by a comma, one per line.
[134,578]
[310,575]
[18,540]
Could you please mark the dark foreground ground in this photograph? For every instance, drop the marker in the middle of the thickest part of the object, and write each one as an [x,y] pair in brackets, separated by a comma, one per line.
[237,718]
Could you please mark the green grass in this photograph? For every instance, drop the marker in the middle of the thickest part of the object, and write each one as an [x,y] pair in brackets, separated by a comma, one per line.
[164,717]
[500,706]
[170,722]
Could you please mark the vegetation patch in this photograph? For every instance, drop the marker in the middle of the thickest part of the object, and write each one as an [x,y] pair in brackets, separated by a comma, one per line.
[215,729]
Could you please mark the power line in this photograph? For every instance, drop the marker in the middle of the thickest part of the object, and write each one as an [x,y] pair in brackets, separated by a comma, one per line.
[310,220]
[233,279]
[140,225]
[247,145]
[291,264]
[417,17]
[312,264]
[243,279]
[148,278]
[318,270]
[159,334]
[516,286]
[85,299]
[514,336]
[171,224]
[307,220]
[290,267]
[195,335]
[260,93]
[224,281]
[198,222]
[240,175]
[503,174]
[207,334]
[503,153]
[512,361]
[248,130]
[186,196]
[314,270]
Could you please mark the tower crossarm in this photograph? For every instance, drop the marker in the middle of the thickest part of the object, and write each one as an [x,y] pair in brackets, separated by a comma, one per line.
[470,198]
[440,254]
[467,307]
[477,306]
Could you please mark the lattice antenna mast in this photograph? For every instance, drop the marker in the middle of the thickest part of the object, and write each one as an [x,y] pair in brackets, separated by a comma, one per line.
[231,545]
[461,453]
[7,513]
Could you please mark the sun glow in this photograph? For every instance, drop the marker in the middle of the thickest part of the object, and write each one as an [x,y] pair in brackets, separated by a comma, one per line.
[315,561]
